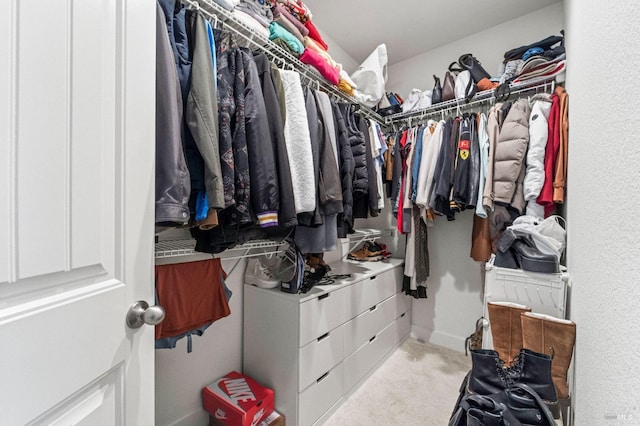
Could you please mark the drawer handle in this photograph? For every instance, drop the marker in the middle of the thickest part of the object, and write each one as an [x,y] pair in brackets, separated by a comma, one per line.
[373,308]
[324,336]
[323,296]
[324,376]
[372,339]
[373,277]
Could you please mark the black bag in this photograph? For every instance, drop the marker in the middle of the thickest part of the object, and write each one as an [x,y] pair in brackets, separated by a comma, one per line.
[470,63]
[448,87]
[436,94]
[514,406]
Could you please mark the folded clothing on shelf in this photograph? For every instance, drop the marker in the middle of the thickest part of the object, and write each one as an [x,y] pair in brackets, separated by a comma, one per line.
[313,58]
[277,31]
[540,66]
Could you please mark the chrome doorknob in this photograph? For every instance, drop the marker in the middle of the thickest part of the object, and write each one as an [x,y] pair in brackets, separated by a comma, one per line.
[141,313]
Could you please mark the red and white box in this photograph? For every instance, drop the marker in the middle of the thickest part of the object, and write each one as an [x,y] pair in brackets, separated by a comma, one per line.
[237,400]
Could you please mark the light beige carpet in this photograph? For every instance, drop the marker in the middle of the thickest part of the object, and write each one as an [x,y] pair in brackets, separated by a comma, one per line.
[417,385]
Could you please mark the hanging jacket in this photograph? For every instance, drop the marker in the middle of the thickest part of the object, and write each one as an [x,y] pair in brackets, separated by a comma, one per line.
[445,168]
[538,135]
[329,187]
[265,195]
[396,178]
[287,213]
[483,146]
[493,130]
[429,158]
[545,198]
[232,134]
[323,236]
[347,166]
[474,166]
[201,112]
[560,175]
[372,185]
[357,142]
[297,138]
[467,173]
[173,186]
[510,155]
[175,14]
[313,218]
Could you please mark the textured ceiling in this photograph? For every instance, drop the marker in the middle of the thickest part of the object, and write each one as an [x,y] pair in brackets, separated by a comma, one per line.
[410,27]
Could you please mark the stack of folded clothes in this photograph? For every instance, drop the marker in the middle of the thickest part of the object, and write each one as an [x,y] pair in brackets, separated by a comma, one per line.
[543,59]
[288,24]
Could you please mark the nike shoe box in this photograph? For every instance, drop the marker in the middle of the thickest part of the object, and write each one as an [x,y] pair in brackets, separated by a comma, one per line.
[273,419]
[237,400]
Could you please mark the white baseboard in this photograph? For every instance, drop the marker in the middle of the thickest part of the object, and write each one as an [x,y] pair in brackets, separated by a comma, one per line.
[439,338]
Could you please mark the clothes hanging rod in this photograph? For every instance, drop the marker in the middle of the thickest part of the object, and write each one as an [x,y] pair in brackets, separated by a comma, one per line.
[487,96]
[277,53]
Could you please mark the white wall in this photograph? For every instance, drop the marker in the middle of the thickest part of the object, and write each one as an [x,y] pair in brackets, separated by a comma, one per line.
[339,55]
[487,46]
[454,287]
[602,206]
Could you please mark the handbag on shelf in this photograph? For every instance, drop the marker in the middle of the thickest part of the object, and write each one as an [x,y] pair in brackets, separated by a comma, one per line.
[436,94]
[470,63]
[448,87]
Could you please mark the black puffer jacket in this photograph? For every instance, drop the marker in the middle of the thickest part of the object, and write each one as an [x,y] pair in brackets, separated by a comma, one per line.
[356,140]
[287,214]
[265,196]
[346,166]
[372,198]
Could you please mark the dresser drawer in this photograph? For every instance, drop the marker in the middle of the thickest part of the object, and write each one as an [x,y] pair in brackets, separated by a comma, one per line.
[360,329]
[321,314]
[320,356]
[358,364]
[320,396]
[369,292]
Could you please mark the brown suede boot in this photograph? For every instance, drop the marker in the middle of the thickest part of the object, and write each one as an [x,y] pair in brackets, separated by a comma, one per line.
[552,336]
[506,329]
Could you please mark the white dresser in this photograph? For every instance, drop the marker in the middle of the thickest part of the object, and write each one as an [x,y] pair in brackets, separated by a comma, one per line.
[315,349]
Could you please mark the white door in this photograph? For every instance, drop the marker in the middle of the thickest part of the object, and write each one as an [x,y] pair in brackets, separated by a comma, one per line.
[76,210]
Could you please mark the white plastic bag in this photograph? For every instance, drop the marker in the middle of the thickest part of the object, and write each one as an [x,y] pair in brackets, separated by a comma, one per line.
[371,77]
[548,235]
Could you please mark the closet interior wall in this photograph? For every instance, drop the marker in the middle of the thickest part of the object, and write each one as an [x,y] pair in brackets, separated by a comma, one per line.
[454,287]
[180,375]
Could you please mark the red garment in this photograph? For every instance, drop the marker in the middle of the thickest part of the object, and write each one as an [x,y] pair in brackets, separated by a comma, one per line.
[545,198]
[192,295]
[314,34]
[313,58]
[403,145]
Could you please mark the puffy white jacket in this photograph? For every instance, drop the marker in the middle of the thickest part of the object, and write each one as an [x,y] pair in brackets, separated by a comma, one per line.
[538,135]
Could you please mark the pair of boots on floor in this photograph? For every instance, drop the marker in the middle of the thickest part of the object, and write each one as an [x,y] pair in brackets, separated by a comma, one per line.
[517,332]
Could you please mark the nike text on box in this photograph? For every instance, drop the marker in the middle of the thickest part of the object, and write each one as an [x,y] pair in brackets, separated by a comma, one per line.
[237,400]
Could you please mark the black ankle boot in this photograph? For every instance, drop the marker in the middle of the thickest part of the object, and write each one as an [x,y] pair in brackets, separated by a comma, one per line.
[487,376]
[534,369]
